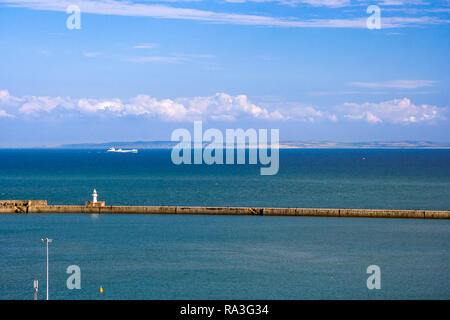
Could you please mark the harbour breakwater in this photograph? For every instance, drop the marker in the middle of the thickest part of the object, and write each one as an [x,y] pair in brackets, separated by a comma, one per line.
[41,206]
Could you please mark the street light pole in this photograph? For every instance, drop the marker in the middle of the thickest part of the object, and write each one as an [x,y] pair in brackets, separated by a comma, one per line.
[47,240]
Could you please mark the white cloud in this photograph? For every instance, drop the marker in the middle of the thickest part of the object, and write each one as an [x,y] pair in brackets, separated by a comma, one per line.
[158,11]
[144,46]
[166,109]
[156,59]
[223,104]
[392,111]
[402,2]
[94,105]
[7,100]
[315,3]
[92,54]
[3,113]
[178,58]
[395,84]
[220,107]
[298,112]
[35,105]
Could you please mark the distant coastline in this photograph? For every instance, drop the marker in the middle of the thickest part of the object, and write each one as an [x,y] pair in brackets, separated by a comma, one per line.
[283,145]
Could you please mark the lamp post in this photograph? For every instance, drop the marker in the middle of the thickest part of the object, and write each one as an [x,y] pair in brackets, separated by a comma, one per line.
[47,240]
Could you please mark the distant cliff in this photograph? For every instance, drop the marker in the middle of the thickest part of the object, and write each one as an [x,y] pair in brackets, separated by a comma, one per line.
[131,144]
[283,145]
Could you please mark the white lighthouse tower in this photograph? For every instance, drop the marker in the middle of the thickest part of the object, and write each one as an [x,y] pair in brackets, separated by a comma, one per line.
[94,196]
[95,202]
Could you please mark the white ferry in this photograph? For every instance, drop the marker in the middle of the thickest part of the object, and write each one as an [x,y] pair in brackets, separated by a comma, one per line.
[123,151]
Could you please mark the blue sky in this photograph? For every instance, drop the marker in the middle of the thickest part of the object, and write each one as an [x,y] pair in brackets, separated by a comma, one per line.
[136,70]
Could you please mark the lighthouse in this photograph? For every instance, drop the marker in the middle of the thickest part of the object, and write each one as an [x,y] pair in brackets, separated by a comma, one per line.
[95,202]
[94,196]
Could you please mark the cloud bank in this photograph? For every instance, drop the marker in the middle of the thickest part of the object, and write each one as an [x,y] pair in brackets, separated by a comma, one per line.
[393,111]
[218,107]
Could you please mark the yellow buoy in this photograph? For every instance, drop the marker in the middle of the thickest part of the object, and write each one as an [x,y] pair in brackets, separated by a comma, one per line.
[101,289]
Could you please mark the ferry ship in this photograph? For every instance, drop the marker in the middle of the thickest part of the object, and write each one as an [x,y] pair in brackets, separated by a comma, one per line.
[123,151]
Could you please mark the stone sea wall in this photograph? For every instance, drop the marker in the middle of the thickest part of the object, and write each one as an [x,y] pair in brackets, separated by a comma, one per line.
[40,206]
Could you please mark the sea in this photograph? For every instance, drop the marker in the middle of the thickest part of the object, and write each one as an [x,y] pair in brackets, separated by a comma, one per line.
[227,257]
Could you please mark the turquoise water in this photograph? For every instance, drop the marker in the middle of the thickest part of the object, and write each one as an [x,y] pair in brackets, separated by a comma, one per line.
[226,257]
[386,179]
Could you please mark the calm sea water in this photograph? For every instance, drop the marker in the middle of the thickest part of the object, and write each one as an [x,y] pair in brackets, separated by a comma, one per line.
[225,257]
[391,179]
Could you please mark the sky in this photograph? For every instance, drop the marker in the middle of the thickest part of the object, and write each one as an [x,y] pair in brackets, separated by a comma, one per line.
[137,70]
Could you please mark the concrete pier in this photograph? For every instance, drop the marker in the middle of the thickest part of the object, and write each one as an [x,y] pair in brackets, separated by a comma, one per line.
[41,206]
